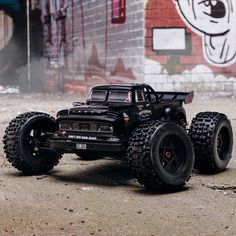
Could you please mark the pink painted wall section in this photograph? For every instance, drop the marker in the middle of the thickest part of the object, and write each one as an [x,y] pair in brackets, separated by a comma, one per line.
[191,45]
[92,42]
[118,11]
[116,8]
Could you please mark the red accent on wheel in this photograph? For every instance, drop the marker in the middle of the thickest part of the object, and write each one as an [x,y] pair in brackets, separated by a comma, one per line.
[168,154]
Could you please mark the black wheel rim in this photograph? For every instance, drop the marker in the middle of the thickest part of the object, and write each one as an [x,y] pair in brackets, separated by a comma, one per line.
[223,143]
[33,140]
[172,154]
[34,136]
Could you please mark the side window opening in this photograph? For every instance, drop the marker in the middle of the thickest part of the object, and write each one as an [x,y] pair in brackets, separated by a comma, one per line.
[139,96]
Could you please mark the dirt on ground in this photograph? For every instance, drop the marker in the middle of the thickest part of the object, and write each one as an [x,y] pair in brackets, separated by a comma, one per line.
[101,197]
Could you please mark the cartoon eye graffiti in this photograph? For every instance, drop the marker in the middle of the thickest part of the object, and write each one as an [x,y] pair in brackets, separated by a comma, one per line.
[217,8]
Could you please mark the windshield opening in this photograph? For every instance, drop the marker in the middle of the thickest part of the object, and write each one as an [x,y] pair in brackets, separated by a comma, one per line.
[119,96]
[100,96]
[97,96]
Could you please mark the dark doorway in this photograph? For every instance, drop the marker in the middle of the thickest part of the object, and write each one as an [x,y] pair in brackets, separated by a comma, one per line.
[13,50]
[13,47]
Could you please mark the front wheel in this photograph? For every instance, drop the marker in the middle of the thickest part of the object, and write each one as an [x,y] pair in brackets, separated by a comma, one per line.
[161,155]
[22,143]
[212,137]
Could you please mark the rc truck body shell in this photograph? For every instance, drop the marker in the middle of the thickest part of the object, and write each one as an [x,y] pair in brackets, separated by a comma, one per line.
[104,124]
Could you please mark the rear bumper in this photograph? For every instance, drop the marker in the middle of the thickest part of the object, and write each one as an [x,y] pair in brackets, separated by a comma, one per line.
[66,146]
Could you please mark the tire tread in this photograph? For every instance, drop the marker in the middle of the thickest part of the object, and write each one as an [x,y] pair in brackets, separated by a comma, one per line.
[11,143]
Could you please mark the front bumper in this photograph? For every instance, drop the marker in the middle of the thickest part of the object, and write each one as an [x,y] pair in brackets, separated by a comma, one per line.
[71,146]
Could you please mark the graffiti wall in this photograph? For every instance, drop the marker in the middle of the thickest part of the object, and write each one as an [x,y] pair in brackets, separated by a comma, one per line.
[191,44]
[91,42]
[169,44]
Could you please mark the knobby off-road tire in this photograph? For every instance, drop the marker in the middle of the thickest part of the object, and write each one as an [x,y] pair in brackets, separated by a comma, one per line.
[161,155]
[212,137]
[20,142]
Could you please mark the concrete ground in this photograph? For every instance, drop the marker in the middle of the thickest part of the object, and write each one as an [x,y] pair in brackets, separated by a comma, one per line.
[102,198]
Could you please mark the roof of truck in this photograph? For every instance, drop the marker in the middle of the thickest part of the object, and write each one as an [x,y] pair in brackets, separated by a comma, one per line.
[118,86]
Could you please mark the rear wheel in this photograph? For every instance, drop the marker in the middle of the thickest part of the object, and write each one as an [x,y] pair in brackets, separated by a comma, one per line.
[161,155]
[22,143]
[212,137]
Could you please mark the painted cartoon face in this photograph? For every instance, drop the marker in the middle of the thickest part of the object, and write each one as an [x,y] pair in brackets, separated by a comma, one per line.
[208,16]
[215,20]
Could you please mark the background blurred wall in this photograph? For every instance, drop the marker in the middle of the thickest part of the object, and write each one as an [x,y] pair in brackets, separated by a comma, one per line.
[169,44]
[88,42]
[13,41]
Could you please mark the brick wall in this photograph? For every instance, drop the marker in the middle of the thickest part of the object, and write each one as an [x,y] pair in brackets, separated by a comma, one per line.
[89,47]
[178,54]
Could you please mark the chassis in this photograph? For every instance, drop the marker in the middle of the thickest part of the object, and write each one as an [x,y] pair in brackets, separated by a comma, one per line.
[132,122]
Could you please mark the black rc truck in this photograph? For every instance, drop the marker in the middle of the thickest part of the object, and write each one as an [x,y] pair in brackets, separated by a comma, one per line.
[147,129]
